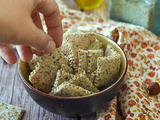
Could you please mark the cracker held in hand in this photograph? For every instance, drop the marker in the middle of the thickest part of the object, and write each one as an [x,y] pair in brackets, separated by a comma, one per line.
[83,81]
[107,70]
[78,41]
[10,112]
[67,89]
[44,75]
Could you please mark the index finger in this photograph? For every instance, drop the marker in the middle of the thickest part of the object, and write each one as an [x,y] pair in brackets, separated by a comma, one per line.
[51,13]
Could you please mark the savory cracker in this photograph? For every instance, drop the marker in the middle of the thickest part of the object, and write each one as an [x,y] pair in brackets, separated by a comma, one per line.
[92,76]
[65,44]
[110,51]
[67,68]
[83,81]
[95,45]
[10,112]
[78,41]
[61,77]
[92,60]
[107,70]
[83,60]
[67,89]
[44,75]
[32,63]
[64,47]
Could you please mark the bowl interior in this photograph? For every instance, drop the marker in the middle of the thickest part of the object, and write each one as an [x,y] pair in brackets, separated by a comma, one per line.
[25,71]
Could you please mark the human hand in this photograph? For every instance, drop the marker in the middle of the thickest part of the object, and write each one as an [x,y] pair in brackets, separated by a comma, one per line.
[20,25]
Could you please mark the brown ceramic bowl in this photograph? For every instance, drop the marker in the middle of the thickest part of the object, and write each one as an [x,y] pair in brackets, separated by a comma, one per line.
[75,106]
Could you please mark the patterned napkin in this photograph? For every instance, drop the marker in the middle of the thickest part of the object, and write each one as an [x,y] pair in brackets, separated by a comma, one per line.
[143,53]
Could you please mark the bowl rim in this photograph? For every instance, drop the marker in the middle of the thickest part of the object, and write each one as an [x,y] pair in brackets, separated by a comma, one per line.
[79,97]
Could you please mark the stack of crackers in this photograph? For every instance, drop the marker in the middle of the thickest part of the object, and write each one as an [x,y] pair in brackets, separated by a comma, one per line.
[78,68]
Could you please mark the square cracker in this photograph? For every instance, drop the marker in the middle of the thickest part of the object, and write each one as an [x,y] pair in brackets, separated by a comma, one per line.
[44,75]
[67,68]
[10,112]
[110,51]
[107,70]
[61,77]
[95,45]
[92,60]
[92,76]
[76,42]
[88,60]
[83,60]
[32,63]
[64,47]
[83,81]
[67,89]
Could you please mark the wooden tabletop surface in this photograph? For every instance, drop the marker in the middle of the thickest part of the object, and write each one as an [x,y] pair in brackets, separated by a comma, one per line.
[13,92]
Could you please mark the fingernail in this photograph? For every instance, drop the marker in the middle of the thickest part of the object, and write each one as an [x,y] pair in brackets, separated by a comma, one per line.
[51,45]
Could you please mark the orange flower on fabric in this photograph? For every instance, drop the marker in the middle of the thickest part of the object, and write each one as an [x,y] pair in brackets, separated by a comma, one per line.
[140,95]
[144,45]
[135,32]
[142,117]
[151,56]
[122,46]
[152,74]
[132,102]
[157,105]
[133,55]
[157,47]
[148,81]
[136,83]
[101,20]
[130,62]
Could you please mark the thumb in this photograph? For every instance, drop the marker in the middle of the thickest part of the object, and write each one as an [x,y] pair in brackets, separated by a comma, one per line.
[38,40]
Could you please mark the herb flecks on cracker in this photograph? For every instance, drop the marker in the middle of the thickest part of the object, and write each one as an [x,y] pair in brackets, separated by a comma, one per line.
[67,89]
[44,75]
[76,42]
[61,77]
[107,70]
[67,68]
[83,81]
[95,45]
[92,59]
[88,60]
[32,63]
[10,112]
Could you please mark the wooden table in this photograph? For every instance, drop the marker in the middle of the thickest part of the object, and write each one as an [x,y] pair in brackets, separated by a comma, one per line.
[13,92]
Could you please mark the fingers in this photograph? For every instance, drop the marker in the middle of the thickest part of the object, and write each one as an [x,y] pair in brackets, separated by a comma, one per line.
[24,52]
[36,19]
[7,53]
[49,9]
